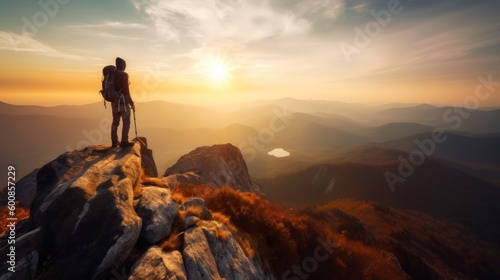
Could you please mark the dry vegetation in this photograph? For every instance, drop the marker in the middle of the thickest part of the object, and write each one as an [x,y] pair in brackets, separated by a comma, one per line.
[372,238]
[20,213]
[283,240]
[422,244]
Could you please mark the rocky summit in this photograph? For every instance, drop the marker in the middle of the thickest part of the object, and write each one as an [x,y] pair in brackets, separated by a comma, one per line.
[94,216]
[218,165]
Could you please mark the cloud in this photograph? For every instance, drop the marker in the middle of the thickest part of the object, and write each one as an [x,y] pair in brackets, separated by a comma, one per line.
[321,9]
[111,24]
[14,42]
[246,21]
[109,29]
[455,49]
[250,36]
[259,40]
[360,8]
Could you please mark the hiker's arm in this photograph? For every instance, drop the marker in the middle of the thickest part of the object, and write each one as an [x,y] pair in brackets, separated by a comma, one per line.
[126,91]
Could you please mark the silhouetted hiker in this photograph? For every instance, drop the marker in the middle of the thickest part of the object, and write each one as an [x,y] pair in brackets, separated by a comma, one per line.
[121,106]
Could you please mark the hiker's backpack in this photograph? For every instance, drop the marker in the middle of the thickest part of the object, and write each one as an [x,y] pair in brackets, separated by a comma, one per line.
[108,91]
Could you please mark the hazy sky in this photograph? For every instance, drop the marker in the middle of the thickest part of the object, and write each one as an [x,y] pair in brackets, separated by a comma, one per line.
[52,51]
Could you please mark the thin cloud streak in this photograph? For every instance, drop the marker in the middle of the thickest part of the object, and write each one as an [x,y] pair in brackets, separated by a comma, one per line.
[18,43]
[110,24]
[320,9]
[110,30]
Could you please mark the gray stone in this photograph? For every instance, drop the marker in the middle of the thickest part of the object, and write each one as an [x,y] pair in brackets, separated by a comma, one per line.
[198,203]
[198,259]
[158,212]
[207,257]
[157,264]
[190,222]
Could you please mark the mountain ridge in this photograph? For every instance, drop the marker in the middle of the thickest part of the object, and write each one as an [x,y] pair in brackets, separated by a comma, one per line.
[100,198]
[467,199]
[140,226]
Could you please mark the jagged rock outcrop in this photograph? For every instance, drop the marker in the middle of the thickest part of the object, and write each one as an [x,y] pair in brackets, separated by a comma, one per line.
[217,166]
[84,207]
[93,215]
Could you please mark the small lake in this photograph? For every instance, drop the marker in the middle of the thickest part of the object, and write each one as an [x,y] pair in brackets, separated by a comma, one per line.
[279,152]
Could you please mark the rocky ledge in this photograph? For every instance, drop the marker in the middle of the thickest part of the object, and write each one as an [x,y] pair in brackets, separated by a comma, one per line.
[95,216]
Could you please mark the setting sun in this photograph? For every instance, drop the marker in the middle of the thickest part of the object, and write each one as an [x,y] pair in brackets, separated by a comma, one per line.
[218,72]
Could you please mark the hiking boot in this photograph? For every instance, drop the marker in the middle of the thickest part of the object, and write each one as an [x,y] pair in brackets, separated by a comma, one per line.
[114,144]
[126,144]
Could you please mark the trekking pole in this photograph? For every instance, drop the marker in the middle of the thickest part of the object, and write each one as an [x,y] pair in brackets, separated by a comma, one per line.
[135,127]
[135,124]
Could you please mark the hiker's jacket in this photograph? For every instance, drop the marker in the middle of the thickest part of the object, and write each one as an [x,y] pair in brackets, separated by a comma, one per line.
[121,84]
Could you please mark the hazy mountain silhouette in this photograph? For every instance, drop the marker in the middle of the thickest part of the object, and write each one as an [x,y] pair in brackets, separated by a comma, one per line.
[464,148]
[448,118]
[90,111]
[330,120]
[476,155]
[433,188]
[314,131]
[35,139]
[310,135]
[312,106]
[393,131]
[154,113]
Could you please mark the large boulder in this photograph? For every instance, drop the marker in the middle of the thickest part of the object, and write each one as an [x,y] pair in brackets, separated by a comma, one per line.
[84,206]
[217,166]
[157,264]
[158,212]
[207,255]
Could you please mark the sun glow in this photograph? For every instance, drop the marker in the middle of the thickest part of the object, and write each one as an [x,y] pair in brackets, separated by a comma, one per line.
[218,72]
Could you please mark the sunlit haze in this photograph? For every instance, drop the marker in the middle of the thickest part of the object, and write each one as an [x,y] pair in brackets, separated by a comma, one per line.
[209,52]
[218,72]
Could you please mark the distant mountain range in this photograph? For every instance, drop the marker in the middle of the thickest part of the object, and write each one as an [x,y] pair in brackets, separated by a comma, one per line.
[338,152]
[434,188]
[310,128]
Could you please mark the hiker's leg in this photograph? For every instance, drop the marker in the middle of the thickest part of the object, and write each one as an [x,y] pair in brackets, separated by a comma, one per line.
[114,127]
[126,125]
